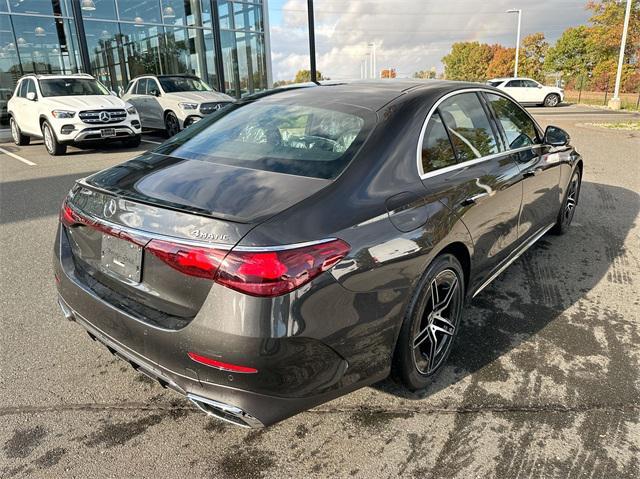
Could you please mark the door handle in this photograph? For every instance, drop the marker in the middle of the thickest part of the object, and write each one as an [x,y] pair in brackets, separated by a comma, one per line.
[472,200]
[530,173]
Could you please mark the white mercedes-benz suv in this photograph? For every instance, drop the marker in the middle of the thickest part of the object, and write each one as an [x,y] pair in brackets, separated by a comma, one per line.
[68,109]
[173,102]
[528,91]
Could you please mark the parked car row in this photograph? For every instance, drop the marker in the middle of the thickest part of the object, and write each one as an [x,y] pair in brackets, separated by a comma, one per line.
[78,109]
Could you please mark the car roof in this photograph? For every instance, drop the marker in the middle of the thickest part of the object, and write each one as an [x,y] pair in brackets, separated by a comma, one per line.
[369,94]
[42,76]
[182,75]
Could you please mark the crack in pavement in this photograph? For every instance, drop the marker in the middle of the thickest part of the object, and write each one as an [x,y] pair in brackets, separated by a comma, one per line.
[472,409]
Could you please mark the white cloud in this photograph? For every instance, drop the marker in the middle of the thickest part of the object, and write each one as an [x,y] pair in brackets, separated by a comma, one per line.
[410,35]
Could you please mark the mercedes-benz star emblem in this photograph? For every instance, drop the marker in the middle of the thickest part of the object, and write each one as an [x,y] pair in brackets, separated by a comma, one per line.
[105,116]
[110,208]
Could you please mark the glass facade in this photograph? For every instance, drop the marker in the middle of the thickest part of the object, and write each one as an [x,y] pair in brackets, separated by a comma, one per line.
[223,42]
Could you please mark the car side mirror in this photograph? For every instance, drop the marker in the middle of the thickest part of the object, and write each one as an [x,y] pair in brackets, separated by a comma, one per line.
[555,136]
[31,96]
[154,93]
[539,86]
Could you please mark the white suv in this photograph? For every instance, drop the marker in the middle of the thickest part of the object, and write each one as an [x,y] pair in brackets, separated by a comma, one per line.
[526,90]
[173,102]
[67,109]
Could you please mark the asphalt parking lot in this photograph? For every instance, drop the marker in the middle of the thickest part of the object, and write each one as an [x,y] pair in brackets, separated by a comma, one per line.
[544,380]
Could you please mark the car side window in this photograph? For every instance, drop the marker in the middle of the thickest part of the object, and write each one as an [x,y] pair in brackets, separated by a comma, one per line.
[514,84]
[152,87]
[141,87]
[468,126]
[530,83]
[22,89]
[519,129]
[437,151]
[31,87]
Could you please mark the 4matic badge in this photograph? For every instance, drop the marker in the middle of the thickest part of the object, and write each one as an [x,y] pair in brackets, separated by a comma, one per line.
[209,236]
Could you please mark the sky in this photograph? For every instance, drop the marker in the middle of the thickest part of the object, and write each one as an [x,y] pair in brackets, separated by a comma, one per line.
[409,35]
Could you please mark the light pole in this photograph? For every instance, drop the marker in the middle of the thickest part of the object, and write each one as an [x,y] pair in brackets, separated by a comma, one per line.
[615,102]
[373,60]
[519,12]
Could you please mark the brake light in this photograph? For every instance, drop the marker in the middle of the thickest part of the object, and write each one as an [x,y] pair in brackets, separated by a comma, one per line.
[253,272]
[193,261]
[214,363]
[273,273]
[68,217]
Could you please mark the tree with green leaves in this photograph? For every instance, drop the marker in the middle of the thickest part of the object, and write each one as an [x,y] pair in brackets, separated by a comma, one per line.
[467,61]
[534,50]
[425,74]
[570,55]
[304,76]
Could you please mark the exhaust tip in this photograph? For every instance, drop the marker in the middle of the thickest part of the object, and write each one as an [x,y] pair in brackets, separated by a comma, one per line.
[66,310]
[225,412]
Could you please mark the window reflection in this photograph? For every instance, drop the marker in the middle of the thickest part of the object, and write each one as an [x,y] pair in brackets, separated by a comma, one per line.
[468,126]
[436,147]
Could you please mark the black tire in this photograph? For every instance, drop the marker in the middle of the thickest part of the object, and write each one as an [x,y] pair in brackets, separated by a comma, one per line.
[552,100]
[171,124]
[18,138]
[51,143]
[132,142]
[569,204]
[418,332]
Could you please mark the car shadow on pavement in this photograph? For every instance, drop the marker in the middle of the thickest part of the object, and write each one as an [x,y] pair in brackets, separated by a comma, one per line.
[528,303]
[34,198]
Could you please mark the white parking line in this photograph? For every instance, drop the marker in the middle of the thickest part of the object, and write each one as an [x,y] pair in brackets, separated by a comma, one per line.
[19,158]
[151,141]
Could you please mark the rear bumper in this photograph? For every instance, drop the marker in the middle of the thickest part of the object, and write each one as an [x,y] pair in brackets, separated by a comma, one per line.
[294,373]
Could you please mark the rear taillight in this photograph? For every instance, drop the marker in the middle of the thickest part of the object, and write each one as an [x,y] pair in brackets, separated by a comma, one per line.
[254,272]
[68,217]
[194,261]
[272,273]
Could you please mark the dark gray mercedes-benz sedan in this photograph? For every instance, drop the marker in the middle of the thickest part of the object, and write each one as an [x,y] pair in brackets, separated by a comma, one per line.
[301,244]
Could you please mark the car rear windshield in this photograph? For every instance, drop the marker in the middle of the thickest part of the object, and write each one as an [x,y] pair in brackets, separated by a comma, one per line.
[177,84]
[294,139]
[71,87]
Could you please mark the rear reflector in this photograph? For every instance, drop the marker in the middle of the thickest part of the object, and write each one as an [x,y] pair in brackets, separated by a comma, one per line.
[220,365]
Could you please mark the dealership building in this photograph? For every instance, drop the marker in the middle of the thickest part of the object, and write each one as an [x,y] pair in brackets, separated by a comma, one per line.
[226,43]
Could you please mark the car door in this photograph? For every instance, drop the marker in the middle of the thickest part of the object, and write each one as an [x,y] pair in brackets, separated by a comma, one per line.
[138,98]
[540,169]
[30,110]
[534,91]
[465,163]
[155,111]
[516,89]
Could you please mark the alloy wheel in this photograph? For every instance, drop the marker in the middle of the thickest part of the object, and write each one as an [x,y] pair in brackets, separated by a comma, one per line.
[572,200]
[48,139]
[433,332]
[552,100]
[14,131]
[173,127]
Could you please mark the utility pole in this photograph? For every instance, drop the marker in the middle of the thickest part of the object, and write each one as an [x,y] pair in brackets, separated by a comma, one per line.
[615,102]
[519,12]
[312,42]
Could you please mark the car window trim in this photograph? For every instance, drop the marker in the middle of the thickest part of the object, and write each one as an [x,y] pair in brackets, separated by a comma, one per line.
[475,161]
[493,121]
